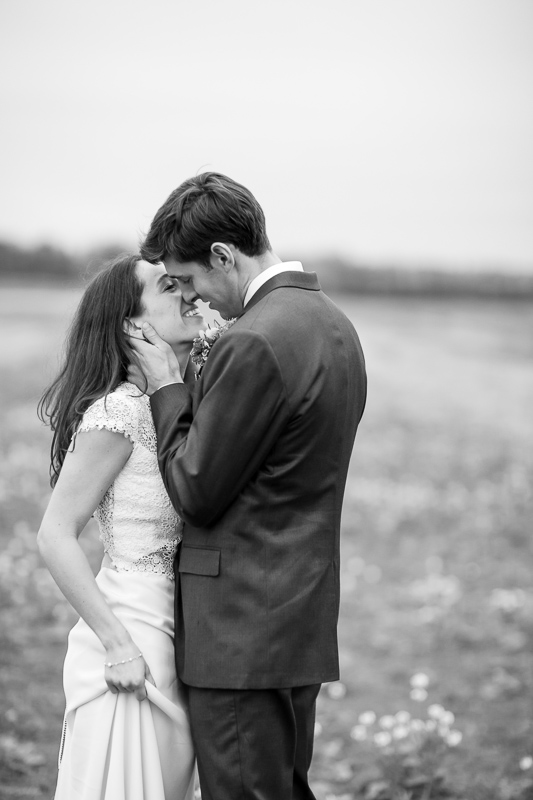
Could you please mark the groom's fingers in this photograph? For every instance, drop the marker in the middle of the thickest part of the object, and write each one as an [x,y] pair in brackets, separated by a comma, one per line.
[156,360]
[139,343]
[150,338]
[151,335]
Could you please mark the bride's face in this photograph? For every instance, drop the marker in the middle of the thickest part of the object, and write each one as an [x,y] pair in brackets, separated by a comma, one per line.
[175,320]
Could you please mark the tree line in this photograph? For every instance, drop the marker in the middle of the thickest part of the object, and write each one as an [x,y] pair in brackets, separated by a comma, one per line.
[47,263]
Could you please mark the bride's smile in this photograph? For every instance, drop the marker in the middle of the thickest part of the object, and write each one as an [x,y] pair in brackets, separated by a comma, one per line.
[176,321]
[192,312]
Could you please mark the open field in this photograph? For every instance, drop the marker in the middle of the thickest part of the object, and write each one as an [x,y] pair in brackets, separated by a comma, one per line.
[437,555]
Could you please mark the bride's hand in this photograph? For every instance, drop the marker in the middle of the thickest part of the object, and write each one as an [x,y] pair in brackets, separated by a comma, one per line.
[129,676]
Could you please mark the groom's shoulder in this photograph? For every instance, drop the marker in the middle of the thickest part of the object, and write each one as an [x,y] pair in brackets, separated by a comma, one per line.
[285,322]
[288,308]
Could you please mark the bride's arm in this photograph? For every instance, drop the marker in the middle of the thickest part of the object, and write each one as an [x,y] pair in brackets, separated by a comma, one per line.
[87,473]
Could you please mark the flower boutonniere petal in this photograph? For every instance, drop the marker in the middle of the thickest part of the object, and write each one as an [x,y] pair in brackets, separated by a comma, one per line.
[201,346]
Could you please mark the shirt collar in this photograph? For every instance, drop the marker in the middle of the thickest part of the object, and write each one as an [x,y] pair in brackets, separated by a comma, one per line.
[269,272]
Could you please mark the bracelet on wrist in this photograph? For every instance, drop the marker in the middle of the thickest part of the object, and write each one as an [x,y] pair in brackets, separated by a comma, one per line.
[126,661]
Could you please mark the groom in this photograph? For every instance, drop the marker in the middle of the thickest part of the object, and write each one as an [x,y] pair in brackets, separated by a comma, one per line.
[255,462]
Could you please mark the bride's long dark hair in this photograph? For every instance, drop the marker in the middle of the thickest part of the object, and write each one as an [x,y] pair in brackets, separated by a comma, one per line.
[97,353]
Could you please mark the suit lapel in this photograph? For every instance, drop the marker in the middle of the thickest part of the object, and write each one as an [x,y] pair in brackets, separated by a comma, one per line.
[295,280]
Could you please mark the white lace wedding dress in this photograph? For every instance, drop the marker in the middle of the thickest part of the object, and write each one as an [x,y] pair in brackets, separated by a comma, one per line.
[113,746]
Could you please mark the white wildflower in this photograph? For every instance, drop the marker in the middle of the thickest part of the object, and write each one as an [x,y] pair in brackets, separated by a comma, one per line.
[507,599]
[358,733]
[418,695]
[367,718]
[400,732]
[454,738]
[526,762]
[448,718]
[419,681]
[382,739]
[336,690]
[387,721]
[436,711]
[403,717]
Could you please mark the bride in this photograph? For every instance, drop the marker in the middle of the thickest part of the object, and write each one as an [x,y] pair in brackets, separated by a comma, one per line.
[125,734]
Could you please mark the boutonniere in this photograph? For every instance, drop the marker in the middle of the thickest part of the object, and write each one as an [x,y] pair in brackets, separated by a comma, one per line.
[201,346]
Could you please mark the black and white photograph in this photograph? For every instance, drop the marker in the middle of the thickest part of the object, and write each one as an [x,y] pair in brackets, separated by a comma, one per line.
[266,400]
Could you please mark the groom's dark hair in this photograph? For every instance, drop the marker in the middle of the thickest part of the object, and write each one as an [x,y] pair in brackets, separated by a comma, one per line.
[207,208]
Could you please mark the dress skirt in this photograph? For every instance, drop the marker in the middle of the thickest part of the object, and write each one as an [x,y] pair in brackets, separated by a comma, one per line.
[113,746]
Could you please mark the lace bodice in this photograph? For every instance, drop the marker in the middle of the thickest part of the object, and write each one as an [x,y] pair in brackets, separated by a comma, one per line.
[138,525]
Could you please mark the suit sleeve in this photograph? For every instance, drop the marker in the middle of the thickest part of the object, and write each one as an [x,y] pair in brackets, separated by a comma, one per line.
[206,461]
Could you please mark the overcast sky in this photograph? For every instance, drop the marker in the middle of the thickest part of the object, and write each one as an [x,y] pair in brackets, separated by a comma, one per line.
[378,129]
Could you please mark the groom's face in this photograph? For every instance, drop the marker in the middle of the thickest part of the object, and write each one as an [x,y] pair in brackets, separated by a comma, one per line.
[218,286]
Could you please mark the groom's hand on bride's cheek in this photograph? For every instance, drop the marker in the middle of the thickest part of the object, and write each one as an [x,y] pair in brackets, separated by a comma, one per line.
[157,364]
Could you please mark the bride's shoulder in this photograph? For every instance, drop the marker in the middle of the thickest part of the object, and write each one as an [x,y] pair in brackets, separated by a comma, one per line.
[122,410]
[125,395]
[129,393]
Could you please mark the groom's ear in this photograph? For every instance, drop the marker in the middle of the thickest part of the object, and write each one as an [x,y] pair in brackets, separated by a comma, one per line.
[222,256]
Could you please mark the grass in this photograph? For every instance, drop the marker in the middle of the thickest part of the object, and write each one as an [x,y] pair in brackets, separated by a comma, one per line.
[437,551]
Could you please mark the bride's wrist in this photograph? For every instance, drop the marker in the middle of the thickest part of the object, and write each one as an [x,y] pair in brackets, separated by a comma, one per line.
[123,661]
[117,642]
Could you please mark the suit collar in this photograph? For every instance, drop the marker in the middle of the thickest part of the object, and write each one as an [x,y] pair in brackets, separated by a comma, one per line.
[295,280]
[269,272]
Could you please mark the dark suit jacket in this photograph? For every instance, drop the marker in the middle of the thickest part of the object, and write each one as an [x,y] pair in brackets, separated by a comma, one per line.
[255,464]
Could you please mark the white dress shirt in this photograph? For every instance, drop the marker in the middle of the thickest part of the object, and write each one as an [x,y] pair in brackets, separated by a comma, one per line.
[269,272]
[255,285]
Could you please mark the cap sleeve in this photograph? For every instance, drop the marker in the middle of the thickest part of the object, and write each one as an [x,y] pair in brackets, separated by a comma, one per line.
[115,412]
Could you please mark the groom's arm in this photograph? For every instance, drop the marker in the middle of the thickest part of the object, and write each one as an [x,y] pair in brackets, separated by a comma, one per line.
[206,462]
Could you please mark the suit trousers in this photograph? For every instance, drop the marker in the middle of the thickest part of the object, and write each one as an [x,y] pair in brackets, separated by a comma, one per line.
[253,744]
